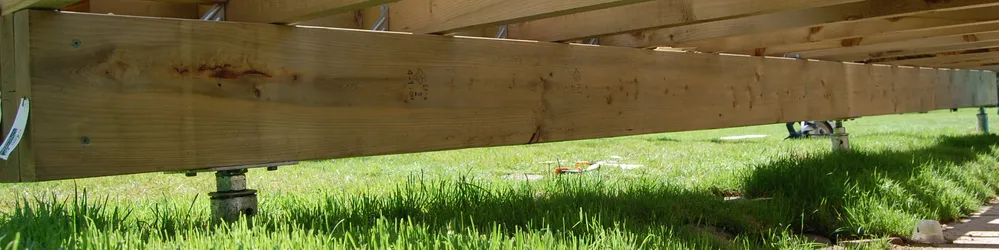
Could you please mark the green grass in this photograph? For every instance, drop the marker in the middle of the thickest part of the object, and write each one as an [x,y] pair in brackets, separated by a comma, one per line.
[903,169]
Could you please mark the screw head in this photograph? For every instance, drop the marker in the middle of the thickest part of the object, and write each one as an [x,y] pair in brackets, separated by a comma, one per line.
[76,43]
[85,140]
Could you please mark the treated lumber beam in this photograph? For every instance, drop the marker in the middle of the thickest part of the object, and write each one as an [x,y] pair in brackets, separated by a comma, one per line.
[850,45]
[932,45]
[651,15]
[760,43]
[191,1]
[9,170]
[11,6]
[429,16]
[81,6]
[15,84]
[145,94]
[347,20]
[145,8]
[292,11]
[852,12]
[961,59]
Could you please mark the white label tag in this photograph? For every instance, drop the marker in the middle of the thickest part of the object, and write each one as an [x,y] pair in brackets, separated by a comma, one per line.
[16,131]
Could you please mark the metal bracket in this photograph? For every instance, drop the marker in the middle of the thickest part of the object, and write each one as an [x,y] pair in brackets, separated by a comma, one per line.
[502,32]
[269,166]
[382,24]
[216,13]
[593,41]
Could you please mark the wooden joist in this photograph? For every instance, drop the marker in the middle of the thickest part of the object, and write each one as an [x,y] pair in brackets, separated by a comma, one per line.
[851,12]
[175,9]
[931,45]
[851,45]
[429,16]
[848,33]
[144,94]
[958,59]
[193,1]
[11,6]
[651,15]
[292,11]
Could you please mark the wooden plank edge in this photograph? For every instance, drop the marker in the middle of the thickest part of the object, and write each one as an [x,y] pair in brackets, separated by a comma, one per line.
[16,82]
[558,52]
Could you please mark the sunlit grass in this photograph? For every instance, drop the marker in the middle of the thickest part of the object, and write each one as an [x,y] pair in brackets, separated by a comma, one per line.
[904,168]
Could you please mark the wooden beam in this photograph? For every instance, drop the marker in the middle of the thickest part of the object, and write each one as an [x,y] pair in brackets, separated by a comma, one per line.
[145,94]
[145,8]
[760,43]
[81,6]
[292,11]
[931,45]
[962,59]
[851,45]
[650,15]
[10,170]
[429,16]
[15,82]
[347,20]
[851,12]
[190,1]
[11,6]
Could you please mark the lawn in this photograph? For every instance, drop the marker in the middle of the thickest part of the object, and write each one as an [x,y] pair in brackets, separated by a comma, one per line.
[693,191]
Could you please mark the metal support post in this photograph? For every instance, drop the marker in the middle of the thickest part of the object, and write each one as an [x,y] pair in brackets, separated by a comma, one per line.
[840,139]
[232,199]
[983,121]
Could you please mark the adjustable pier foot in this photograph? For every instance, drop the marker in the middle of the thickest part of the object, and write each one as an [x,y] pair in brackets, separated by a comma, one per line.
[840,139]
[983,121]
[232,200]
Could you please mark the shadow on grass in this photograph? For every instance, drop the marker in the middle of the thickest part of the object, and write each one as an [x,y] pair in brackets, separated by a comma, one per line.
[664,139]
[572,207]
[811,194]
[841,193]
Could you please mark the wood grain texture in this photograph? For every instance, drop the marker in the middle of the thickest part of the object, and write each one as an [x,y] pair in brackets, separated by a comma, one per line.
[963,59]
[851,12]
[23,89]
[931,45]
[850,45]
[167,94]
[81,6]
[144,8]
[430,16]
[651,15]
[760,43]
[292,11]
[9,170]
[347,20]
[11,6]
[15,72]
